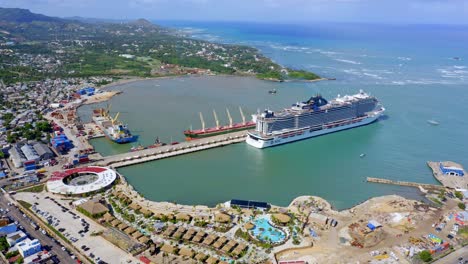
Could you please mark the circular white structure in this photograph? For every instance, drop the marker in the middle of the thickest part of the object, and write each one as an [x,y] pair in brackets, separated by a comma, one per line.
[86,180]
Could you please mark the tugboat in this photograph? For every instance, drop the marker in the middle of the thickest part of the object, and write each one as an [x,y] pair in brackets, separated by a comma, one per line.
[156,144]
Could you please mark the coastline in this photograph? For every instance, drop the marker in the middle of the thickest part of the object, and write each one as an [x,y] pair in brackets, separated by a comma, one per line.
[131,79]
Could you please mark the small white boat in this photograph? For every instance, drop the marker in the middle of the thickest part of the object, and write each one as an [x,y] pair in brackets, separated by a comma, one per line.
[362,155]
[433,122]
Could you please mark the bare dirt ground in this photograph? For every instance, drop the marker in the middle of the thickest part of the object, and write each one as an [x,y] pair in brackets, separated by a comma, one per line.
[402,221]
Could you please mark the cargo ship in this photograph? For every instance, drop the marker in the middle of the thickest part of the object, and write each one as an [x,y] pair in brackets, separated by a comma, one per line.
[312,118]
[156,144]
[112,128]
[218,130]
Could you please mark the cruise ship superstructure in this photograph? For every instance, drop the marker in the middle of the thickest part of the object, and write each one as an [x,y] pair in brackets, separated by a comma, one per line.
[312,118]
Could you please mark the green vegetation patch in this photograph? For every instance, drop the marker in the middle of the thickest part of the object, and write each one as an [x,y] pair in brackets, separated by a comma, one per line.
[425,256]
[25,204]
[36,189]
[302,75]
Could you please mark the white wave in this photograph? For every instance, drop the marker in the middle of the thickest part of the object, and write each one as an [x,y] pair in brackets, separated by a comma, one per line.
[327,52]
[348,61]
[378,71]
[352,71]
[404,58]
[459,67]
[398,82]
[375,76]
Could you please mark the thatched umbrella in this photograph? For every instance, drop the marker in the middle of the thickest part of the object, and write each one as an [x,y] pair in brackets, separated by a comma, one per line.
[249,226]
[222,218]
[183,217]
[282,218]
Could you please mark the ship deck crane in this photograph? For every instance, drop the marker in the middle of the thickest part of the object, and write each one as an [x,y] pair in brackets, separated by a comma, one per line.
[229,117]
[216,119]
[202,122]
[242,115]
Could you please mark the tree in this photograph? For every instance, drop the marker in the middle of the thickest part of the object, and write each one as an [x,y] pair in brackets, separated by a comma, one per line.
[459,195]
[461,206]
[425,256]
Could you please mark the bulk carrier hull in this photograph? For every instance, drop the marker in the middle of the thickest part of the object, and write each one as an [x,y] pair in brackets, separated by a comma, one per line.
[209,132]
[305,133]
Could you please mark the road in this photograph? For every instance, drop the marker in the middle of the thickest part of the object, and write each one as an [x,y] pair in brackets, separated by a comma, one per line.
[47,242]
[453,257]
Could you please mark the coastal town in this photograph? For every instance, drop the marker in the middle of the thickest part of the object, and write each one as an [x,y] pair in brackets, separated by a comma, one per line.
[54,186]
[63,202]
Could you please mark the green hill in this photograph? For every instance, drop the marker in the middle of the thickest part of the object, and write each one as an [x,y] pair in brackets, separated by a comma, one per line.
[18,15]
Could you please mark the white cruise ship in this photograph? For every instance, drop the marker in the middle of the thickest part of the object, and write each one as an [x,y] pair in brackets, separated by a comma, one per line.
[312,118]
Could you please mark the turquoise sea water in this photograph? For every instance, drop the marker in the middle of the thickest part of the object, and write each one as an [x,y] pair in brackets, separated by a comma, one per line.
[411,69]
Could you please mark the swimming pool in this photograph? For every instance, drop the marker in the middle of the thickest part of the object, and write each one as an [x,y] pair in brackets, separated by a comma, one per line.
[266,232]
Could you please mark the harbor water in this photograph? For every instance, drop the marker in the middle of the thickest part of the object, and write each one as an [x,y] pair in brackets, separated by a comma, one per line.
[416,80]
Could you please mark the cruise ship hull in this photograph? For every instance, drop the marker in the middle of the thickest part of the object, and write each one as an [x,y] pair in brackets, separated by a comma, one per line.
[305,133]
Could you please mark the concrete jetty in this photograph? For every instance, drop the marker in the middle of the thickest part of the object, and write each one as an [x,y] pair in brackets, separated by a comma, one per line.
[405,183]
[145,155]
[447,179]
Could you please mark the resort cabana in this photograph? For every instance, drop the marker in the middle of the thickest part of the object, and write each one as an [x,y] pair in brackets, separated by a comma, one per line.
[135,207]
[144,239]
[229,246]
[122,226]
[94,209]
[129,230]
[168,249]
[186,252]
[189,234]
[201,257]
[146,212]
[137,235]
[183,217]
[222,218]
[220,242]
[210,239]
[238,250]
[108,217]
[179,233]
[170,230]
[282,219]
[247,212]
[249,226]
[198,237]
[115,223]
[211,260]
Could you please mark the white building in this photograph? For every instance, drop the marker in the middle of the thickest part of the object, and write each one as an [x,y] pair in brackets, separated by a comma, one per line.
[15,237]
[29,247]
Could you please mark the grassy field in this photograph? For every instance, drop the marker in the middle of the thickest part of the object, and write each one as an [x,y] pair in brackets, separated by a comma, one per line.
[36,189]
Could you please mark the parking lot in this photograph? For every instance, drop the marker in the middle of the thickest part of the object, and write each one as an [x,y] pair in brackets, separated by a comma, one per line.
[76,229]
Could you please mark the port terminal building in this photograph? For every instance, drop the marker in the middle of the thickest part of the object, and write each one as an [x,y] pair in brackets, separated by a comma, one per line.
[451,170]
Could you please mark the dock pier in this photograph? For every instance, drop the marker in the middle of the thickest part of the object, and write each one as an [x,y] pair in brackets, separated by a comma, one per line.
[405,183]
[151,154]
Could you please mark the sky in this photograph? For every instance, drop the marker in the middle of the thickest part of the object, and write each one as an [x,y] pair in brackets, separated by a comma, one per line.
[283,11]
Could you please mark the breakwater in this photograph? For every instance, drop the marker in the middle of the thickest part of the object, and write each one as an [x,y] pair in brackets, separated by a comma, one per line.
[151,154]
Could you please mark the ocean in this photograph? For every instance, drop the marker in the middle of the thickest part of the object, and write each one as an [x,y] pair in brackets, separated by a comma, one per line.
[418,72]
